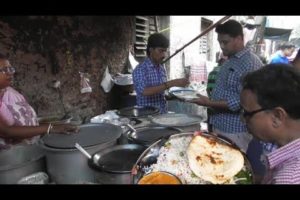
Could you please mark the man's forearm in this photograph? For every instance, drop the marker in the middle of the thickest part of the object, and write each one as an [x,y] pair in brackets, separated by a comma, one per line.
[155,89]
[217,104]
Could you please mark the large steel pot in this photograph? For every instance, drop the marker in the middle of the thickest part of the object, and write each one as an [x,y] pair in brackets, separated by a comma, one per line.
[65,164]
[114,164]
[20,161]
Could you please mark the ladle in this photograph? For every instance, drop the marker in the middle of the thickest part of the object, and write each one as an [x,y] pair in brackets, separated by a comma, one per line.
[82,150]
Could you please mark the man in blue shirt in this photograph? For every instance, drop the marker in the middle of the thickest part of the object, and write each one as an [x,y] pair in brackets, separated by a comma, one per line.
[225,97]
[150,77]
[285,50]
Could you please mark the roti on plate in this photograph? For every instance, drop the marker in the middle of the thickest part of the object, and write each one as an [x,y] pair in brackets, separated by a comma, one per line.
[212,160]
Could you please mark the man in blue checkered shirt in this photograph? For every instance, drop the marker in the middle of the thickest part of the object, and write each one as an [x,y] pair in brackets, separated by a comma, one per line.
[225,98]
[150,77]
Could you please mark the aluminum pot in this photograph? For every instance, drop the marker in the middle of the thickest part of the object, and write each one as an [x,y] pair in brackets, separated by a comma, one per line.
[69,166]
[66,164]
[20,161]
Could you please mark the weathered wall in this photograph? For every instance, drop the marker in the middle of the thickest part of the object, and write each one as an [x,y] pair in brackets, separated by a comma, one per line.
[48,48]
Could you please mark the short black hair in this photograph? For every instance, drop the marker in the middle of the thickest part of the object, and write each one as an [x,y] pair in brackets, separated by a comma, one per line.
[157,40]
[286,45]
[276,85]
[232,27]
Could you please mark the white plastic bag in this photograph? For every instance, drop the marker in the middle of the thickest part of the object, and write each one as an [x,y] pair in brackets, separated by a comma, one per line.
[132,61]
[107,82]
[84,83]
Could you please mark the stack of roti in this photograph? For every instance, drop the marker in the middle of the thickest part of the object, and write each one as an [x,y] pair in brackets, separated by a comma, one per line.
[212,160]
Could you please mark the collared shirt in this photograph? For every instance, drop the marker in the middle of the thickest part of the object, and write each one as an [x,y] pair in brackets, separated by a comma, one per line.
[148,75]
[269,147]
[211,79]
[228,88]
[284,164]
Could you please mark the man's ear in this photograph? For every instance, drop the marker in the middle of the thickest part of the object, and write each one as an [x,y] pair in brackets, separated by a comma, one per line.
[278,117]
[238,38]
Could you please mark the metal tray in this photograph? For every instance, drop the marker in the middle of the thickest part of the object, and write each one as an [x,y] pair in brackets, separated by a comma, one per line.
[150,155]
[184,94]
[176,119]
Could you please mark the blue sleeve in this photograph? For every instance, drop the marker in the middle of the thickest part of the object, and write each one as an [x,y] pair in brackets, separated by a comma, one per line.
[233,102]
[275,60]
[139,80]
[234,88]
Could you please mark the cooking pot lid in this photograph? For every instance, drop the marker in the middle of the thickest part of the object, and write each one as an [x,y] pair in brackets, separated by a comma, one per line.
[171,119]
[88,135]
[119,159]
[148,135]
[138,111]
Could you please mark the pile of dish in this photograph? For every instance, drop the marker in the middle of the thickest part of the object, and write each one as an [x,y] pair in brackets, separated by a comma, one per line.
[123,79]
[185,94]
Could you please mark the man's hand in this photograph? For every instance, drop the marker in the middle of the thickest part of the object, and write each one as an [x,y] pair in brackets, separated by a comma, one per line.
[180,82]
[202,100]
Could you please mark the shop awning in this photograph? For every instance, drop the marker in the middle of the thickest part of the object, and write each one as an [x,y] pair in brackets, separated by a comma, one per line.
[277,34]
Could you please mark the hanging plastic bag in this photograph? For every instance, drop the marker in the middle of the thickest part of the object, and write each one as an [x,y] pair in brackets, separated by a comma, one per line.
[84,83]
[132,61]
[107,82]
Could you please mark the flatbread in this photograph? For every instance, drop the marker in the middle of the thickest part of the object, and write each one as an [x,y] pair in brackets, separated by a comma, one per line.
[212,160]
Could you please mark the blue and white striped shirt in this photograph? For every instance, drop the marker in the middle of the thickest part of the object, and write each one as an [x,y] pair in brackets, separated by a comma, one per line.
[228,88]
[148,75]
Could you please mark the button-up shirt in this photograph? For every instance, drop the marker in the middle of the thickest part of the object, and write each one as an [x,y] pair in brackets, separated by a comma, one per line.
[228,88]
[148,75]
[284,164]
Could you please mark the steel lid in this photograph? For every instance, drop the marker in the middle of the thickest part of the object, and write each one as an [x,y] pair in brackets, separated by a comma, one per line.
[172,119]
[120,158]
[138,111]
[88,135]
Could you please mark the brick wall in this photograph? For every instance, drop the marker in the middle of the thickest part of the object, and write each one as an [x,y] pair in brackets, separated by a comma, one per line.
[48,48]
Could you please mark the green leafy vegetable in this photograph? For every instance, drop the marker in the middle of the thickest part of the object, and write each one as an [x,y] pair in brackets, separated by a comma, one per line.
[243,177]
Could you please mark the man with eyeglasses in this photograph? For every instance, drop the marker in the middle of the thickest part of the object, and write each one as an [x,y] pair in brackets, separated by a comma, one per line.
[225,97]
[150,77]
[271,110]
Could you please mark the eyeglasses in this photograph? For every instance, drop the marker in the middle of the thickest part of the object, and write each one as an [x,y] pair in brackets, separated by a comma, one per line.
[247,115]
[6,70]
